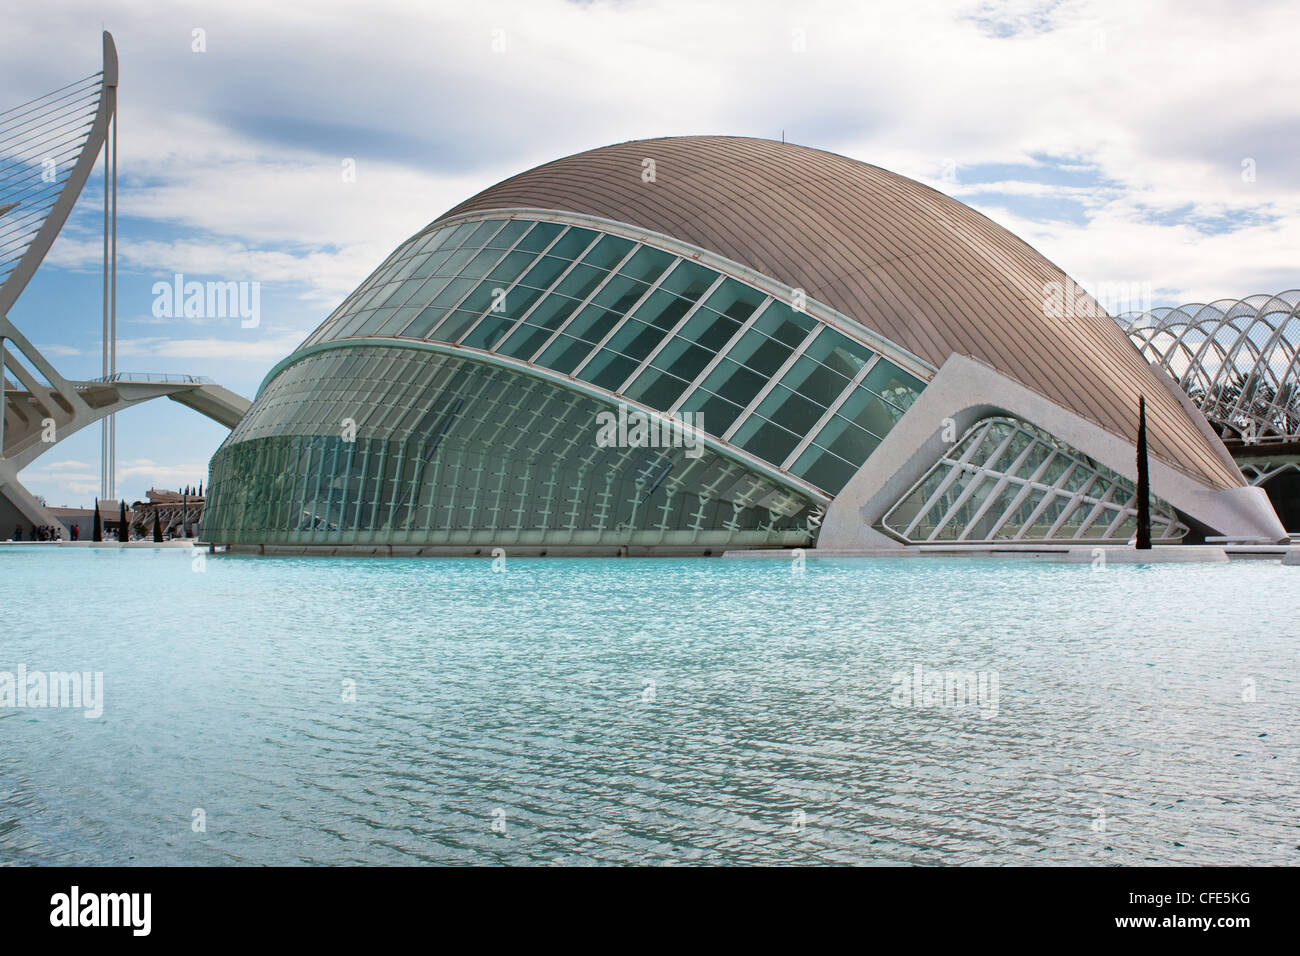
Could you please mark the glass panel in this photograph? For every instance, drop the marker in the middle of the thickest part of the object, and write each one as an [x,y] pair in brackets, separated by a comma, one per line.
[620,294]
[790,410]
[609,252]
[717,414]
[823,469]
[735,383]
[735,299]
[766,440]
[608,369]
[509,234]
[657,389]
[564,354]
[483,232]
[647,264]
[539,237]
[784,324]
[689,280]
[765,356]
[815,382]
[662,309]
[893,384]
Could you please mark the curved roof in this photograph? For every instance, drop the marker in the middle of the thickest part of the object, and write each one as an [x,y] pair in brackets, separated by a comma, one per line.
[916,266]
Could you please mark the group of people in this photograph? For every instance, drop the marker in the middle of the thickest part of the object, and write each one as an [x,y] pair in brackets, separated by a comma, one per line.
[45,532]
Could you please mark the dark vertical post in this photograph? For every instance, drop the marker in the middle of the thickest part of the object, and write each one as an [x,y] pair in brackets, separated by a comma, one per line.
[1144,481]
[97,529]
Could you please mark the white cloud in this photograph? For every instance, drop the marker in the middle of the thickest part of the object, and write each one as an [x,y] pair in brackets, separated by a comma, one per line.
[238,151]
[266,349]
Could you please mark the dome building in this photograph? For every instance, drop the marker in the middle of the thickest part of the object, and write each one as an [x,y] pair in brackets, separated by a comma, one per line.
[694,344]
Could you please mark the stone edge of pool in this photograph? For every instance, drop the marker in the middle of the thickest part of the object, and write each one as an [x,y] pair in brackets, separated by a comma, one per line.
[1077,554]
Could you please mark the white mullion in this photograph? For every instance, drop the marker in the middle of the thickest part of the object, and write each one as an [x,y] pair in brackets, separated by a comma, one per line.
[654,287]
[546,293]
[981,472]
[722,352]
[591,297]
[1049,491]
[836,404]
[957,467]
[772,382]
[1003,479]
[1098,508]
[1074,504]
[1123,513]
[668,336]
[1025,485]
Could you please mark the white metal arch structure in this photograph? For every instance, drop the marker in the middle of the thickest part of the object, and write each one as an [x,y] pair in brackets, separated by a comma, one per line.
[1239,360]
[48,147]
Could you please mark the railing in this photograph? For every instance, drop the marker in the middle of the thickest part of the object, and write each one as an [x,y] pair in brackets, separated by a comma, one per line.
[156,378]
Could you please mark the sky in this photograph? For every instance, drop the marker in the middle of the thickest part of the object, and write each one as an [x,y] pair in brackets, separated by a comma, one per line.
[1147,148]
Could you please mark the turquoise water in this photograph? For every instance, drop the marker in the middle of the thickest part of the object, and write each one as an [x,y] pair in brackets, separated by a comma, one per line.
[648,711]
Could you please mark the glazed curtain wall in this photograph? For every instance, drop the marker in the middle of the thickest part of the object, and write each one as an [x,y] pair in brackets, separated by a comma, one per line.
[1006,480]
[643,323]
[448,451]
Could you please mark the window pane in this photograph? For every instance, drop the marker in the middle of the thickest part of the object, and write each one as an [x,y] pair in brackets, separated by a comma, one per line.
[823,469]
[509,234]
[790,410]
[709,329]
[783,323]
[539,237]
[814,381]
[564,354]
[683,358]
[648,264]
[893,384]
[608,369]
[717,414]
[735,383]
[657,389]
[760,353]
[766,440]
[608,252]
[689,280]
[662,309]
[735,299]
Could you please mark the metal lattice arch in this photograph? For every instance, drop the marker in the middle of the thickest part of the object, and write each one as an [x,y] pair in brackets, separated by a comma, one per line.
[1237,359]
[825,323]
[48,148]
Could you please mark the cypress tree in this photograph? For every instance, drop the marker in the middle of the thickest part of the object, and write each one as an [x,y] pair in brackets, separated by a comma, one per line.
[1144,481]
[123,533]
[157,528]
[97,529]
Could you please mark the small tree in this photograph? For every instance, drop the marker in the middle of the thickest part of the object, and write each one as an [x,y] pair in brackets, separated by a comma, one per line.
[1144,481]
[123,533]
[157,528]
[97,529]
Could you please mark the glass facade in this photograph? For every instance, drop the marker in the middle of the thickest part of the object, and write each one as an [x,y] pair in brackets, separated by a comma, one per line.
[661,330]
[398,445]
[1006,480]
